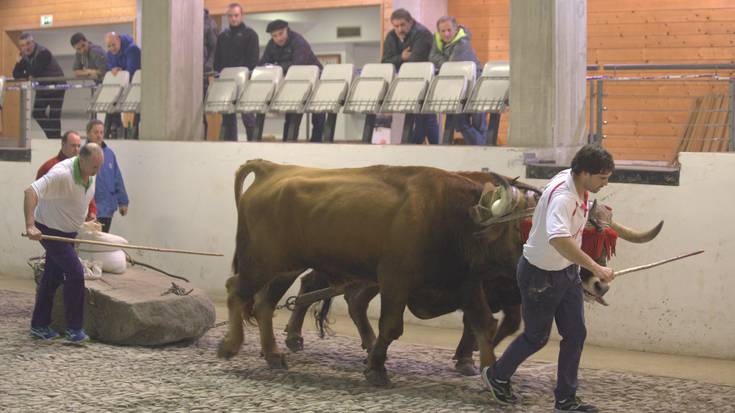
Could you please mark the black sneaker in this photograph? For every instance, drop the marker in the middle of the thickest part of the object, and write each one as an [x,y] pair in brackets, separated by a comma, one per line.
[574,404]
[500,389]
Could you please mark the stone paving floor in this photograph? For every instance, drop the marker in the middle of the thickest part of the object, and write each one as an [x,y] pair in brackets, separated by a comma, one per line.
[327,376]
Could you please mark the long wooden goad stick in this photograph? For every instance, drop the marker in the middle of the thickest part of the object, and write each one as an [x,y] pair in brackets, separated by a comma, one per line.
[654,264]
[124,246]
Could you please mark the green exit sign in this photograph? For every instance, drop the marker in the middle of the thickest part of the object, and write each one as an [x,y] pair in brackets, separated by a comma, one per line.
[47,20]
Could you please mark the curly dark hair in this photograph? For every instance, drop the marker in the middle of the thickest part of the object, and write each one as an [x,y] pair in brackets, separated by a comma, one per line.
[593,159]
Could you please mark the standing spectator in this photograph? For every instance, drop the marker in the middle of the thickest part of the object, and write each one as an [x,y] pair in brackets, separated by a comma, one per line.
[56,205]
[287,48]
[89,59]
[36,61]
[122,54]
[210,42]
[452,44]
[410,41]
[110,194]
[237,46]
[71,142]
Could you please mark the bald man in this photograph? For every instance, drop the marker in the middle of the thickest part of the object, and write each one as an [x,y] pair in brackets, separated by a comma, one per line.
[122,54]
[56,204]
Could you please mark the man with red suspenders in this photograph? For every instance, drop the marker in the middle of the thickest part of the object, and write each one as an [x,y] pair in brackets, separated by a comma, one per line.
[548,278]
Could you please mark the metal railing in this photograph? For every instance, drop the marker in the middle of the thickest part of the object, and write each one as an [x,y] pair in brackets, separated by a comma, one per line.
[661,110]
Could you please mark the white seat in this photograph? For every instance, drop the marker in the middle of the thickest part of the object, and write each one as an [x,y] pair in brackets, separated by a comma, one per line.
[450,88]
[130,100]
[330,92]
[224,90]
[492,89]
[408,89]
[109,91]
[259,91]
[368,91]
[295,89]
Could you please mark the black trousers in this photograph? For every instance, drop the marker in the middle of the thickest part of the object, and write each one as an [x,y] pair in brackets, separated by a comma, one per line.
[49,122]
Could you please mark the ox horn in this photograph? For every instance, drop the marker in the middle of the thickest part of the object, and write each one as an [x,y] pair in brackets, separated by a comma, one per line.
[637,237]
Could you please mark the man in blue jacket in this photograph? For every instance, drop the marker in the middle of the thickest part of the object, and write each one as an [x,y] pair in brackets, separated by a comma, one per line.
[110,193]
[287,48]
[122,54]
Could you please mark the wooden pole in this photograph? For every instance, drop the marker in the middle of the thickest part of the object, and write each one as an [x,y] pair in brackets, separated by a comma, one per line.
[654,264]
[124,246]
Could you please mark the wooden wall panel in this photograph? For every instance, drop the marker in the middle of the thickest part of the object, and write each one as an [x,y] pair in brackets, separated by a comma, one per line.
[627,32]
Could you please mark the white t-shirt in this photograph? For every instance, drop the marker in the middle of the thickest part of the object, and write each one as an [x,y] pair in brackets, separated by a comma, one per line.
[559,213]
[62,201]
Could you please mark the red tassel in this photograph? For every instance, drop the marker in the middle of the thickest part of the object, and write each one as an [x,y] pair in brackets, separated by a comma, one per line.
[525,229]
[593,241]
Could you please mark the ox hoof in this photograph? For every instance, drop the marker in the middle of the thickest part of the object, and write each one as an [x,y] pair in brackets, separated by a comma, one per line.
[224,351]
[277,361]
[377,377]
[466,367]
[295,344]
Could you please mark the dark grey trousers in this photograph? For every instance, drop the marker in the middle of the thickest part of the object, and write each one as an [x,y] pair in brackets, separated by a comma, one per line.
[548,296]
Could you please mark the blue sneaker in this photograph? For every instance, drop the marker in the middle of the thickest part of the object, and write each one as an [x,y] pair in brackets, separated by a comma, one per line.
[43,333]
[76,336]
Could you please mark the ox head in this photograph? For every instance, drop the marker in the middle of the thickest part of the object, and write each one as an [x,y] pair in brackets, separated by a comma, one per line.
[598,232]
[503,201]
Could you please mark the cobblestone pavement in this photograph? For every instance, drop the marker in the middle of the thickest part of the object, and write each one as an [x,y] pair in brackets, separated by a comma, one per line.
[326,376]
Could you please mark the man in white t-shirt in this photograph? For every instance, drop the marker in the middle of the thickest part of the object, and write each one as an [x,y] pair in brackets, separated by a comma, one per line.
[548,278]
[56,204]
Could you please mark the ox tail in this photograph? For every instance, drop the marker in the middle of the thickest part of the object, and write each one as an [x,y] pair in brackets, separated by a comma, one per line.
[321,316]
[259,167]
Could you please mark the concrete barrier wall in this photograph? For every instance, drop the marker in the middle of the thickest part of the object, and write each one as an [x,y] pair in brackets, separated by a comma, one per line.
[182,197]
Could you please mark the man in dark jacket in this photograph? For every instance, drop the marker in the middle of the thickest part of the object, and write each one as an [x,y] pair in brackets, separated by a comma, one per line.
[122,54]
[452,44]
[410,41]
[35,62]
[89,59]
[287,48]
[237,46]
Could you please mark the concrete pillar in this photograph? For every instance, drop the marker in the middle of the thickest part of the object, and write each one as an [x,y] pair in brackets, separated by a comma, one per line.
[172,70]
[426,12]
[548,65]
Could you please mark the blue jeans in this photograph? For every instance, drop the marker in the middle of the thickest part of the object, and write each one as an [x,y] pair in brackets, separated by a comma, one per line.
[425,126]
[547,296]
[473,127]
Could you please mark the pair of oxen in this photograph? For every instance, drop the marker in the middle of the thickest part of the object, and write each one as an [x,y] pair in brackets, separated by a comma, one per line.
[423,238]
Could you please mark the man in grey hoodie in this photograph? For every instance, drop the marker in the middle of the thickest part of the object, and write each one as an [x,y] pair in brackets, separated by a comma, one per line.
[452,44]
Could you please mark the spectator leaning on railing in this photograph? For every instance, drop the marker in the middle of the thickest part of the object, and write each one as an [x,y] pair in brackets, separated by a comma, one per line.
[410,41]
[122,54]
[452,44]
[89,59]
[36,61]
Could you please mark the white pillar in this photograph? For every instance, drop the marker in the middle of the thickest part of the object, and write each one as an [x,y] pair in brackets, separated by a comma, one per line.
[171,95]
[548,65]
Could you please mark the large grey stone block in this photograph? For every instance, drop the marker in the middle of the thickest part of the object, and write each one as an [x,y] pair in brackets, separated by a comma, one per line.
[132,309]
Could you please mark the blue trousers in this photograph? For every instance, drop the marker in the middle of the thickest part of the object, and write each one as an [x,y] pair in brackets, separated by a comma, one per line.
[425,126]
[548,296]
[229,126]
[62,267]
[473,128]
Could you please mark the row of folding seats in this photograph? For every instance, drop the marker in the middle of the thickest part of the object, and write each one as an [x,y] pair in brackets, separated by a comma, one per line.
[414,90]
[117,93]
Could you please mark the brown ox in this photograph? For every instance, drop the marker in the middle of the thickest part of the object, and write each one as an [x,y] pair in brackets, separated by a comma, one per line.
[501,291]
[412,231]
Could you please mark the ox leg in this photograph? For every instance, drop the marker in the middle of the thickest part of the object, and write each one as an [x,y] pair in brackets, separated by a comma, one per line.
[483,324]
[510,324]
[230,345]
[313,281]
[463,355]
[263,307]
[358,298]
[390,328]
